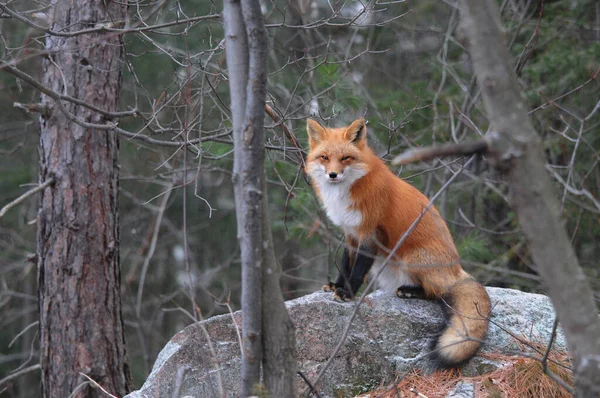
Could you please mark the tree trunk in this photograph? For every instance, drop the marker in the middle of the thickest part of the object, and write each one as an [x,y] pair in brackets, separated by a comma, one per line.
[81,327]
[267,332]
[279,333]
[247,176]
[516,149]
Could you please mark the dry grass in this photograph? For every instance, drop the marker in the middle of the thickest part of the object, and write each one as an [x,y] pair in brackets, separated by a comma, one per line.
[519,377]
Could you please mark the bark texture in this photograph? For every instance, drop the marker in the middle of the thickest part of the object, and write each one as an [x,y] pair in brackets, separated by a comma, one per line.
[247,175]
[267,331]
[517,150]
[81,327]
[279,333]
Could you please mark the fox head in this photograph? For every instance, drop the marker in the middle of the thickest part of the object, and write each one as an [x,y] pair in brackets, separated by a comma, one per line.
[337,155]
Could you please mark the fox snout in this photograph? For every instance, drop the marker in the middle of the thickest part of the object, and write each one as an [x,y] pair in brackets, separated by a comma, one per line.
[334,175]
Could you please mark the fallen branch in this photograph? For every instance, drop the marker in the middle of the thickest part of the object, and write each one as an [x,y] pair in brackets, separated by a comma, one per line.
[417,393]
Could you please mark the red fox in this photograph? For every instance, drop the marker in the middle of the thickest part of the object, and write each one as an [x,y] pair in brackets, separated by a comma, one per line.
[375,208]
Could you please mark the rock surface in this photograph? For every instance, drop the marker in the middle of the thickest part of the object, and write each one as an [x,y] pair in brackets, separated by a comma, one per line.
[389,336]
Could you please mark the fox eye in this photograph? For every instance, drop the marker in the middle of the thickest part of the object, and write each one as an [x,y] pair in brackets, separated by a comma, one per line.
[324,157]
[345,158]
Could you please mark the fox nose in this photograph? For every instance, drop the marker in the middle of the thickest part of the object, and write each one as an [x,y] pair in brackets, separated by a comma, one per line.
[333,174]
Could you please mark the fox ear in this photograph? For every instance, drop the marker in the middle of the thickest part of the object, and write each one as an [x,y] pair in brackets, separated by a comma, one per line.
[316,132]
[356,133]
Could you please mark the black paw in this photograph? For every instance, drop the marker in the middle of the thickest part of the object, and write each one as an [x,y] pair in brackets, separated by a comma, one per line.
[330,287]
[410,292]
[342,295]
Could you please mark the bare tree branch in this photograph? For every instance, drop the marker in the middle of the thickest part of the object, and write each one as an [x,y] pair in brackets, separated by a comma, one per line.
[429,153]
[19,373]
[26,195]
[104,27]
[56,96]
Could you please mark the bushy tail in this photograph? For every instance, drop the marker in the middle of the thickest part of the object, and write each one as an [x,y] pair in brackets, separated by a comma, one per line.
[468,306]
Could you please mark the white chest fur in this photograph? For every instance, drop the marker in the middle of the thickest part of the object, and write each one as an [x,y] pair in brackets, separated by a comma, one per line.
[338,205]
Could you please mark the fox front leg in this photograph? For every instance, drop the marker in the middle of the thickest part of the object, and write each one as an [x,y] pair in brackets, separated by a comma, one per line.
[346,288]
[344,274]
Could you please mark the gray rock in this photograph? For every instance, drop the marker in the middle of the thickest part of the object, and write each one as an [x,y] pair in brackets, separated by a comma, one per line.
[462,390]
[388,337]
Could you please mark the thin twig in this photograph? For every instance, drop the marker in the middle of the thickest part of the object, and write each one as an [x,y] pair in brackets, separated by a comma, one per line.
[312,388]
[290,136]
[211,346]
[417,393]
[179,381]
[159,217]
[552,101]
[57,96]
[107,27]
[527,344]
[552,337]
[22,332]
[184,228]
[525,57]
[19,373]
[111,126]
[573,190]
[26,195]
[95,384]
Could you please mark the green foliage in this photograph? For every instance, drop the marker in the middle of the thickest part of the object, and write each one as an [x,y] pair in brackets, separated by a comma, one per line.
[560,59]
[339,87]
[476,247]
[415,99]
[559,65]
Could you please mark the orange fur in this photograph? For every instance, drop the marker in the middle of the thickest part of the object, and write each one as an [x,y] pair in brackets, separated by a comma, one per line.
[378,206]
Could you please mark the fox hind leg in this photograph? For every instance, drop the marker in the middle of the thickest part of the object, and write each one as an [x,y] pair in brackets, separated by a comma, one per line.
[411,292]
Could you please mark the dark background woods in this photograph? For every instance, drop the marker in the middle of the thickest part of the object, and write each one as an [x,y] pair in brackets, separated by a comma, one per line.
[402,65]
